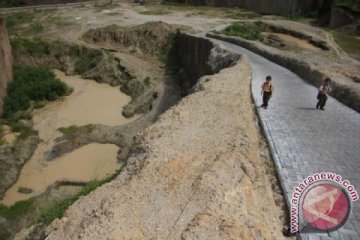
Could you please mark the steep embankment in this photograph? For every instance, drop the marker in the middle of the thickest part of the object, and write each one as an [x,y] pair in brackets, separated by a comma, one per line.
[144,39]
[196,173]
[5,62]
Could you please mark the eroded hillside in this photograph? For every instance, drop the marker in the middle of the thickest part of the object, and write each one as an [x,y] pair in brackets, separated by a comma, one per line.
[202,170]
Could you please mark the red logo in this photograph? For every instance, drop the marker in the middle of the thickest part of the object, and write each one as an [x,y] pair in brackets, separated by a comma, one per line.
[326,207]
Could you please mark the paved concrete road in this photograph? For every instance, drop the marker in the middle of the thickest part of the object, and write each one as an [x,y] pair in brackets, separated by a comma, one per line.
[304,140]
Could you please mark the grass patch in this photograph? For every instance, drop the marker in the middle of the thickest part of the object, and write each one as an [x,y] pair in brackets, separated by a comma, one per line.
[247,31]
[35,47]
[353,5]
[68,130]
[35,28]
[17,210]
[88,60]
[57,209]
[350,44]
[11,3]
[168,52]
[85,58]
[31,84]
[17,22]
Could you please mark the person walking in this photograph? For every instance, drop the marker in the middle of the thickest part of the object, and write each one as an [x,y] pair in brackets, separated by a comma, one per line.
[267,90]
[324,90]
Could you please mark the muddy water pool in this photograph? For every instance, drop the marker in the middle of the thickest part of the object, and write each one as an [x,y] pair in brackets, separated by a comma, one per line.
[89,103]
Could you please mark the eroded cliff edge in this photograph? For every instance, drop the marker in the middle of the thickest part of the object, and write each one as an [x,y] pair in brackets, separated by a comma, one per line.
[196,173]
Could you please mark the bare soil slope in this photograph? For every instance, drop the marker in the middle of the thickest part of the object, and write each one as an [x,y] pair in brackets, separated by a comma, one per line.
[197,174]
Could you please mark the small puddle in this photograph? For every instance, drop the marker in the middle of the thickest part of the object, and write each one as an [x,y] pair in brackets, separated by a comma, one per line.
[300,42]
[90,103]
[93,161]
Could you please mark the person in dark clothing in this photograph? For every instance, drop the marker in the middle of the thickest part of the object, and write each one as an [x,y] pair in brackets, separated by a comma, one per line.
[267,90]
[324,90]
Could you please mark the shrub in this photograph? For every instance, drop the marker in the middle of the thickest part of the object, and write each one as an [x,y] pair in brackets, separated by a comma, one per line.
[35,47]
[88,58]
[68,130]
[350,44]
[11,3]
[17,210]
[353,5]
[31,84]
[248,31]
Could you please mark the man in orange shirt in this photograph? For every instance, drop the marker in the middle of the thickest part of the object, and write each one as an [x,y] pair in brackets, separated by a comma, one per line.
[266,90]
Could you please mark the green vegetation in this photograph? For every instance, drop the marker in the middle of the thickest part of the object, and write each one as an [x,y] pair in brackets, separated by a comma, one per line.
[57,209]
[270,168]
[147,81]
[168,52]
[43,209]
[35,47]
[31,84]
[247,31]
[350,44]
[25,190]
[4,234]
[17,210]
[15,125]
[39,104]
[353,5]
[68,130]
[11,3]
[16,22]
[53,211]
[35,28]
[88,58]
[34,22]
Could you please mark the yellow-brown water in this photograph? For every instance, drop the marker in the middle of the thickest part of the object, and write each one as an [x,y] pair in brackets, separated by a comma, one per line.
[90,102]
